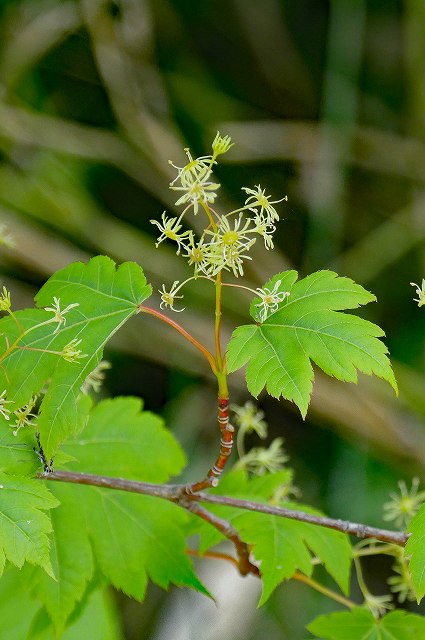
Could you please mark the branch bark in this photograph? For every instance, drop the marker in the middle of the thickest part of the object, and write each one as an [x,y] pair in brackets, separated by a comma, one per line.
[177,494]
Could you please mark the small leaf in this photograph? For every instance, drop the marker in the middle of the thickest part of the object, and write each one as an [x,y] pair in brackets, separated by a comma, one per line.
[308,326]
[359,624]
[24,527]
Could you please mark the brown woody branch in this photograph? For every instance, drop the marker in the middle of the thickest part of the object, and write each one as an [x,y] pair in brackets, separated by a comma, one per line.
[177,494]
[244,563]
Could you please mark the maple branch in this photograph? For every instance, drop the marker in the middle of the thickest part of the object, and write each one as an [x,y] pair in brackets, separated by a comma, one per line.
[226,442]
[177,494]
[244,564]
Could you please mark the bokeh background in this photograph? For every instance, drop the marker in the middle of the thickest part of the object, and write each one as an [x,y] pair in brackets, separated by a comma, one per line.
[325,102]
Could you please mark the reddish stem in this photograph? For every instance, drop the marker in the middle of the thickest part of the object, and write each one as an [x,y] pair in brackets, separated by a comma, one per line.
[214,555]
[207,354]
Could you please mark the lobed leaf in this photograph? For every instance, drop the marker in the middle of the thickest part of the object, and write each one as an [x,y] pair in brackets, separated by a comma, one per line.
[360,624]
[284,546]
[308,327]
[107,297]
[138,537]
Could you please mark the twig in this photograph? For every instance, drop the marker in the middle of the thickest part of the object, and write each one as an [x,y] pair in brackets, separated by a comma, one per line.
[244,564]
[176,493]
[353,528]
[213,555]
[322,589]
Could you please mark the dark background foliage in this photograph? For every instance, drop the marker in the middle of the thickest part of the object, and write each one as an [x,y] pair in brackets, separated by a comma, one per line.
[325,102]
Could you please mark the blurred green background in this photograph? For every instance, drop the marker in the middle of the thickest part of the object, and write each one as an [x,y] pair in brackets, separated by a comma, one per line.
[325,102]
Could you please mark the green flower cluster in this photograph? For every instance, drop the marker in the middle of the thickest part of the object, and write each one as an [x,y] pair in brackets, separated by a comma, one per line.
[226,240]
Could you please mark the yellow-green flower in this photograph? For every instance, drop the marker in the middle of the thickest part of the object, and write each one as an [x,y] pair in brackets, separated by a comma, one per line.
[70,353]
[249,418]
[24,417]
[4,411]
[257,198]
[221,144]
[270,300]
[170,228]
[401,583]
[169,297]
[420,292]
[378,605]
[403,506]
[261,460]
[95,379]
[59,315]
[5,303]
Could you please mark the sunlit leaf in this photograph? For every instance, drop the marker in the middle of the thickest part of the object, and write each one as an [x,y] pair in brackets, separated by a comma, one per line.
[107,297]
[308,326]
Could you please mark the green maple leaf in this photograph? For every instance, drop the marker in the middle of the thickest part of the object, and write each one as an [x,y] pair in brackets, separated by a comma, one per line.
[24,527]
[138,537]
[308,326]
[360,624]
[107,297]
[282,545]
[415,550]
[132,537]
